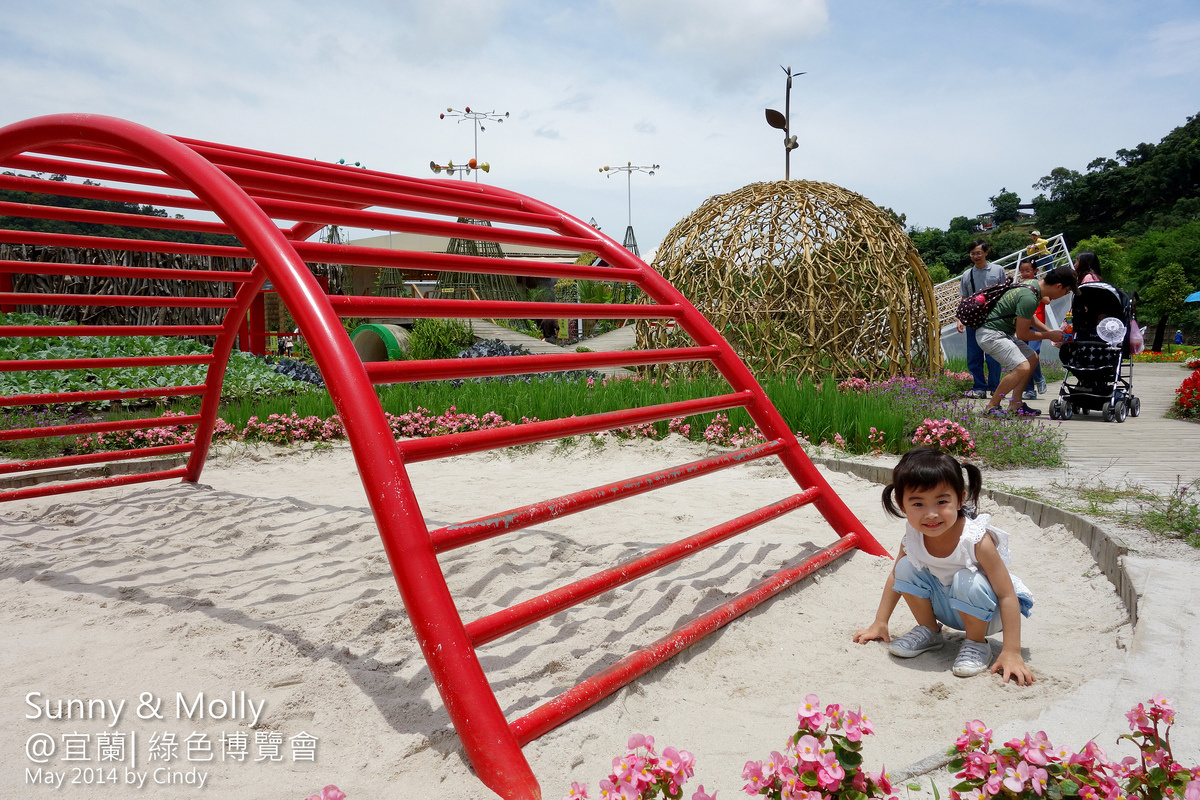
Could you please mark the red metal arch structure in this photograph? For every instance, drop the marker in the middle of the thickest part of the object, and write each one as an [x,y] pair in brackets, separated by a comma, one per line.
[272,204]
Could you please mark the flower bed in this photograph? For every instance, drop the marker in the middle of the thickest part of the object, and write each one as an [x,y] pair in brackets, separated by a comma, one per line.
[1158,357]
[823,760]
[1187,398]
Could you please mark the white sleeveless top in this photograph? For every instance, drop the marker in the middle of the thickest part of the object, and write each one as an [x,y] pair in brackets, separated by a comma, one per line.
[963,556]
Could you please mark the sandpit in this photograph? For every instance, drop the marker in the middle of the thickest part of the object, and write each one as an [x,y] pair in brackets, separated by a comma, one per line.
[270,580]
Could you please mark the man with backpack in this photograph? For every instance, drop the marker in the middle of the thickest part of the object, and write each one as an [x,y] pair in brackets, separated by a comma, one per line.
[1010,323]
[980,276]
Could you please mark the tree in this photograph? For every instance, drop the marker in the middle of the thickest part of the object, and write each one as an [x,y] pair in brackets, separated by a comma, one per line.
[1112,257]
[897,218]
[1165,296]
[1004,206]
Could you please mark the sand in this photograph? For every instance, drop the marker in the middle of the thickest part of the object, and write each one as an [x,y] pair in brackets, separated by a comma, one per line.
[269,579]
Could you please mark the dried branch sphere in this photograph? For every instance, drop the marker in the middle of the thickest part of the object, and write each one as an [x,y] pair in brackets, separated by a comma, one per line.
[803,277]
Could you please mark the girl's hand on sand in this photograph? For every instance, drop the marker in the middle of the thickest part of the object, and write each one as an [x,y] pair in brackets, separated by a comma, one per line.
[875,631]
[1013,667]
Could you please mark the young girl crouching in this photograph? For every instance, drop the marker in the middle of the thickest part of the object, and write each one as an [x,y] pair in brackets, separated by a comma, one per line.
[948,571]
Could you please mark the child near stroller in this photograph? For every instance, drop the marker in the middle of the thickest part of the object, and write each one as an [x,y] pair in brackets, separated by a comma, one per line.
[1097,358]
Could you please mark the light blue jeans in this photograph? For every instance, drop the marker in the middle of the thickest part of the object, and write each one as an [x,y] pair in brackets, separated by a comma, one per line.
[969,593]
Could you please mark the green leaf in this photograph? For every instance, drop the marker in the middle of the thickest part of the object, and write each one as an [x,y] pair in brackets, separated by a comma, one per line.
[936,794]
[1069,787]
[956,764]
[809,778]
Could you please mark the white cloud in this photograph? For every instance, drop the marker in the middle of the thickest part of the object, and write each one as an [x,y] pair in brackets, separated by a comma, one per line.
[725,38]
[1174,49]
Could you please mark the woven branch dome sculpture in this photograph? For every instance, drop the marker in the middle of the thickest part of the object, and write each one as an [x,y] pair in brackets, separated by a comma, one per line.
[806,278]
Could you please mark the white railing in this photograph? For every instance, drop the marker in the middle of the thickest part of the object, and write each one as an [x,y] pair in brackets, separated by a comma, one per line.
[947,295]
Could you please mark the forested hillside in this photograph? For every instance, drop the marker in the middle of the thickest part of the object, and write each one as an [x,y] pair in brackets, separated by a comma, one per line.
[1139,211]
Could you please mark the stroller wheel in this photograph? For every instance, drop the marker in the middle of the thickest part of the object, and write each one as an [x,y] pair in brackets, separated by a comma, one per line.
[1108,412]
[1067,411]
[1054,406]
[1121,411]
[1135,406]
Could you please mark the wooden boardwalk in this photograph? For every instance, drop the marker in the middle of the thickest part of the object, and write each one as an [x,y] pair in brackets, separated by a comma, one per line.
[1152,449]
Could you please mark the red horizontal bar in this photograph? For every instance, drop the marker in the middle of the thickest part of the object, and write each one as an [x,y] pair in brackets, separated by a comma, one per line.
[324,213]
[110,330]
[449,368]
[453,444]
[41,365]
[99,483]
[114,271]
[67,214]
[513,618]
[91,191]
[420,225]
[93,458]
[489,309]
[35,299]
[56,166]
[550,715]
[98,427]
[96,396]
[321,253]
[302,177]
[476,530]
[118,243]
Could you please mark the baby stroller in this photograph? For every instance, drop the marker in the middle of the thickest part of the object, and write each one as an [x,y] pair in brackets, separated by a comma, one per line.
[1099,368]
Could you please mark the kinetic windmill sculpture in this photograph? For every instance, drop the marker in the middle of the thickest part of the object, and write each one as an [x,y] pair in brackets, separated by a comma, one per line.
[803,277]
[272,204]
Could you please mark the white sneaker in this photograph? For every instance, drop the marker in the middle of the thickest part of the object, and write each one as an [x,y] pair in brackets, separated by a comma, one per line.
[973,658]
[919,640]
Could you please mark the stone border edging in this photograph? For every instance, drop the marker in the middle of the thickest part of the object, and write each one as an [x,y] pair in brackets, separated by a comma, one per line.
[96,471]
[1106,549]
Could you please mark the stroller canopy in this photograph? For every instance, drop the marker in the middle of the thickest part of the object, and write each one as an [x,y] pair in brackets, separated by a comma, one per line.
[1094,302]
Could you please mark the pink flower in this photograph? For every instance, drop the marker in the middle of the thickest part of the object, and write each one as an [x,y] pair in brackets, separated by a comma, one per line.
[1192,790]
[753,775]
[808,749]
[640,740]
[672,762]
[330,792]
[578,791]
[1014,779]
[702,795]
[1034,749]
[809,713]
[1037,780]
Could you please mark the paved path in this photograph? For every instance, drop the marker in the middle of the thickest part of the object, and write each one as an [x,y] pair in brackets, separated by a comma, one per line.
[1151,449]
[620,339]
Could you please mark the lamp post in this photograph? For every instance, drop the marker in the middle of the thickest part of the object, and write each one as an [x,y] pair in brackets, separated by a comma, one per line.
[630,242]
[783,122]
[477,119]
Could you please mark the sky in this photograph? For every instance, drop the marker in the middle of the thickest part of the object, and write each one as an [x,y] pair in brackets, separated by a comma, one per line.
[928,107]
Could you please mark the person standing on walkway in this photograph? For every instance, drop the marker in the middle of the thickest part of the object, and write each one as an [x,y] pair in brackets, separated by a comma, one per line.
[1011,325]
[1039,251]
[981,275]
[1028,271]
